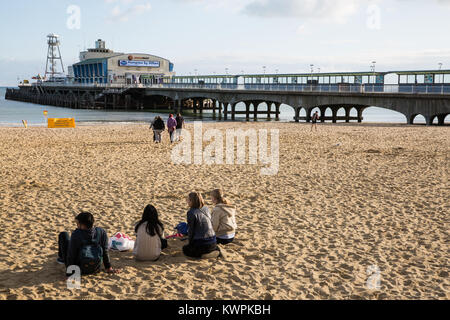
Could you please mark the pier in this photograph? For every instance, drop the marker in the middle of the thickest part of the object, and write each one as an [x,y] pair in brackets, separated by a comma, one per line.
[221,94]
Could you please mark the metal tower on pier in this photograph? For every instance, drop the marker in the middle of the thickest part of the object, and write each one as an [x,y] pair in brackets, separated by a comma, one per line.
[53,57]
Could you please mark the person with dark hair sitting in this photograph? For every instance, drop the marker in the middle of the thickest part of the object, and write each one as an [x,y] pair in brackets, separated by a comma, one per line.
[86,248]
[201,235]
[150,240]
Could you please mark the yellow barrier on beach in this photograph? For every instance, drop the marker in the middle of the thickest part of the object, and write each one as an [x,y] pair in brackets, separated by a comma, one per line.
[55,123]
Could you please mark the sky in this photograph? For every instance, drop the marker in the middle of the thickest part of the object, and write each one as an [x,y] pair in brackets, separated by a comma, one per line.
[285,36]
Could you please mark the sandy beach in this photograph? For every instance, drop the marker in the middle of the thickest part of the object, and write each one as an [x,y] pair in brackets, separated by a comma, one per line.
[346,198]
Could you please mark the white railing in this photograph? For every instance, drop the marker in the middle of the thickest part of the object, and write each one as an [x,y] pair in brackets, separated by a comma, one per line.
[335,88]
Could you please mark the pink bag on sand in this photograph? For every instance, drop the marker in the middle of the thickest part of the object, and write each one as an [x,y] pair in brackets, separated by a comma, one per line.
[121,242]
[174,236]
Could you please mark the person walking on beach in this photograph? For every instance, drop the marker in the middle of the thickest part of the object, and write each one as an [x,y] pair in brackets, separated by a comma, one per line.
[152,127]
[159,127]
[201,235]
[223,218]
[86,248]
[180,126]
[172,126]
[315,118]
[150,239]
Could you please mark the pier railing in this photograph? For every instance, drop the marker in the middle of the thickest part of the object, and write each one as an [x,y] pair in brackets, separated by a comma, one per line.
[332,88]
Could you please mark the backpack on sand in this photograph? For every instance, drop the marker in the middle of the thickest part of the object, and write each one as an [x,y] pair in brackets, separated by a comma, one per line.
[91,255]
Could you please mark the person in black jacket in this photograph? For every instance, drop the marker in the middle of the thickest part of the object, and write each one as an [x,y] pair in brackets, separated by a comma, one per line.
[159,126]
[69,247]
[180,126]
[315,119]
[152,127]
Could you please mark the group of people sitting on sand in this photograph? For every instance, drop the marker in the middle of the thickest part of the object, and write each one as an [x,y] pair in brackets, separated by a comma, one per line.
[174,126]
[87,247]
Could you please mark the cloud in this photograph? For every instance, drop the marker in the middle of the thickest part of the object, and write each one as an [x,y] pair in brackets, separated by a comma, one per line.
[331,10]
[444,2]
[234,6]
[294,63]
[301,29]
[337,11]
[118,13]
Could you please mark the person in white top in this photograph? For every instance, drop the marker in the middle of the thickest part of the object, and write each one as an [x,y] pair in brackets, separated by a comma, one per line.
[223,218]
[150,239]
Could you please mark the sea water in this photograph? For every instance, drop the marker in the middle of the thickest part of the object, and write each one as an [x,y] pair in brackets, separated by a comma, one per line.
[12,113]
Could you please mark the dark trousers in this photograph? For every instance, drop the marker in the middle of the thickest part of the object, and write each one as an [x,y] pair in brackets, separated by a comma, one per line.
[63,246]
[196,251]
[224,241]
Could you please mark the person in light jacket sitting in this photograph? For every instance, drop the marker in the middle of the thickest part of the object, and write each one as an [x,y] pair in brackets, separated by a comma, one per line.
[223,218]
[149,236]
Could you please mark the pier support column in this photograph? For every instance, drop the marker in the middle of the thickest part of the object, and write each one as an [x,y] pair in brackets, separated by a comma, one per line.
[297,114]
[114,101]
[335,111]
[233,111]
[441,119]
[195,104]
[202,105]
[347,114]
[269,110]
[360,114]
[429,120]
[277,110]
[220,110]
[225,111]
[323,111]
[214,108]
[247,110]
[127,102]
[308,114]
[255,110]
[410,118]
[182,105]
